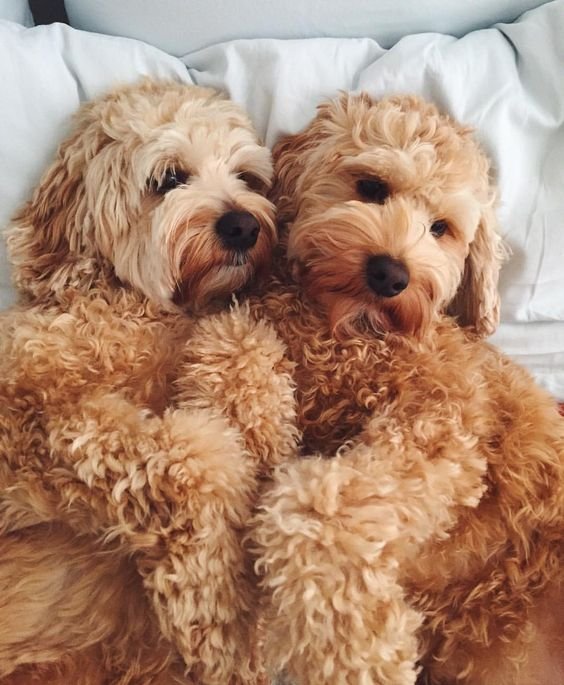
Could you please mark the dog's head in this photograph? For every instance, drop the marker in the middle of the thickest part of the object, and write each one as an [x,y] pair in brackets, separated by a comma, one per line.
[162,183]
[390,216]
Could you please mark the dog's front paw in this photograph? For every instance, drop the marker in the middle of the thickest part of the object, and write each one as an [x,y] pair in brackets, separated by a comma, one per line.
[331,598]
[238,365]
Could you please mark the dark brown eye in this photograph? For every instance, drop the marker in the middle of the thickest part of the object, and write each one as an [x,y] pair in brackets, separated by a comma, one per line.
[171,179]
[373,190]
[252,181]
[439,228]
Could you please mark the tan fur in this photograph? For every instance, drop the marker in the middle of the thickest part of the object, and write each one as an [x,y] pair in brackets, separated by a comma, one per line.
[51,578]
[156,589]
[435,534]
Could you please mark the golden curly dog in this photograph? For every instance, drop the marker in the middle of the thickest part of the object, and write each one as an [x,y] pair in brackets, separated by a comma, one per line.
[436,535]
[109,492]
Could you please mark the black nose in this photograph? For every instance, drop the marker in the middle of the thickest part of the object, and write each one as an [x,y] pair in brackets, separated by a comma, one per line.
[237,230]
[386,276]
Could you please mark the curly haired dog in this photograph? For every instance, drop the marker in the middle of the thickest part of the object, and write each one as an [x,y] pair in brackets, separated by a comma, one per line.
[109,492]
[433,539]
[391,223]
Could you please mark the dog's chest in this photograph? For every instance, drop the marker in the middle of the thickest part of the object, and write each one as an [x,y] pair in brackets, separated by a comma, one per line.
[337,383]
[336,392]
[341,384]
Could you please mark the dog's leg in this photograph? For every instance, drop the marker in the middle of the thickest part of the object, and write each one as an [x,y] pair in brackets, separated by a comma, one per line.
[176,490]
[179,488]
[239,366]
[331,539]
[334,611]
[73,610]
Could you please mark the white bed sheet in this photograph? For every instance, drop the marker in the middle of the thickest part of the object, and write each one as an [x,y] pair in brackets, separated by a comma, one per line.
[539,347]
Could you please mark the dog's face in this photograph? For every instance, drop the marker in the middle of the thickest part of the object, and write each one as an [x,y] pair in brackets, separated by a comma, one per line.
[167,183]
[390,218]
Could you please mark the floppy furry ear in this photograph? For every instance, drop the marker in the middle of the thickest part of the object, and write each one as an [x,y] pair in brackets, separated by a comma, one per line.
[40,236]
[289,156]
[476,303]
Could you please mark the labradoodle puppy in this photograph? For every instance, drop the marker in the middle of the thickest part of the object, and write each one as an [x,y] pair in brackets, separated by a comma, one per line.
[432,542]
[121,513]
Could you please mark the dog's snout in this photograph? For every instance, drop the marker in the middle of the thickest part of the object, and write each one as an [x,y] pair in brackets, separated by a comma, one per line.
[386,276]
[238,230]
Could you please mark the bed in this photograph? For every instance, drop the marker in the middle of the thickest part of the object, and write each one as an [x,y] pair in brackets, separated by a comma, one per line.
[495,64]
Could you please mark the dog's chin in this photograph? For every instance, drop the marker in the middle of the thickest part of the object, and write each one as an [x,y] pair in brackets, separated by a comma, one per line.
[351,318]
[201,269]
[361,313]
[218,283]
[222,279]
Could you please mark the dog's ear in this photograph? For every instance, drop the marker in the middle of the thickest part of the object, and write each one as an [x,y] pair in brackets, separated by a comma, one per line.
[476,303]
[290,156]
[43,237]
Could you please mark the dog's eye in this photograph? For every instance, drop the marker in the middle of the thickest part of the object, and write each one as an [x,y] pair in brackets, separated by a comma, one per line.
[171,179]
[252,181]
[373,190]
[439,228]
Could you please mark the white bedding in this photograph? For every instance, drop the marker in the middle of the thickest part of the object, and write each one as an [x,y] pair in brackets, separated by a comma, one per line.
[538,346]
[507,81]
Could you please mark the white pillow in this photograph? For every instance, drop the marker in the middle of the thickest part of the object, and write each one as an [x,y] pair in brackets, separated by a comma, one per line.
[16,10]
[507,81]
[182,26]
[46,72]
